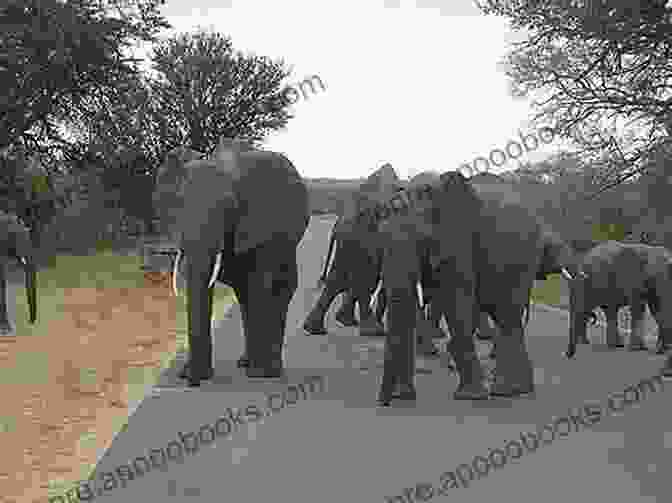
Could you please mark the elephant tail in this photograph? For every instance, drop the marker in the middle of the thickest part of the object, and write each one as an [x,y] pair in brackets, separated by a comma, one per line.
[328,261]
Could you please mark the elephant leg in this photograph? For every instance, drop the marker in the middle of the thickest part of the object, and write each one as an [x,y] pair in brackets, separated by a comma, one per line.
[271,286]
[365,288]
[663,320]
[455,296]
[613,337]
[314,323]
[485,331]
[514,374]
[346,313]
[199,312]
[5,325]
[433,317]
[243,303]
[399,359]
[666,370]
[424,331]
[636,342]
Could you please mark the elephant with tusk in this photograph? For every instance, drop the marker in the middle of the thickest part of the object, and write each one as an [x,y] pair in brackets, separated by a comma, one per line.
[484,249]
[613,275]
[15,243]
[352,265]
[238,218]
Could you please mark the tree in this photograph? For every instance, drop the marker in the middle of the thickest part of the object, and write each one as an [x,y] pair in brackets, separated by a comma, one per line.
[205,90]
[27,191]
[54,53]
[593,63]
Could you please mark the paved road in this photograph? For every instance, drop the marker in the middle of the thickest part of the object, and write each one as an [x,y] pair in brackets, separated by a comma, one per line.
[335,446]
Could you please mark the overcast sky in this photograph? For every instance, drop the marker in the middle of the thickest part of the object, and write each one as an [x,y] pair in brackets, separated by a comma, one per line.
[406,82]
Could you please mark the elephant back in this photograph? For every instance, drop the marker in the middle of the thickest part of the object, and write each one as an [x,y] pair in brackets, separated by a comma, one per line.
[272,199]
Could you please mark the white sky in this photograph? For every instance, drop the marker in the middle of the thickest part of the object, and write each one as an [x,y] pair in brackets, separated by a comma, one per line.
[406,82]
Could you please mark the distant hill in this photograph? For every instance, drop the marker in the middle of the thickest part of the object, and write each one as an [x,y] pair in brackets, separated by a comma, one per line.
[328,195]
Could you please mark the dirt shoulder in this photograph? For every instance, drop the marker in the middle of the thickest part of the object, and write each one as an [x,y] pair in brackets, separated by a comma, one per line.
[67,388]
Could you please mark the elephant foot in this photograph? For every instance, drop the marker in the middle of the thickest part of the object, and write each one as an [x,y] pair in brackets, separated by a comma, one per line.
[243,362]
[582,340]
[314,327]
[194,380]
[474,391]
[501,389]
[615,345]
[637,346]
[371,328]
[6,329]
[346,319]
[273,372]
[666,371]
[406,394]
[661,347]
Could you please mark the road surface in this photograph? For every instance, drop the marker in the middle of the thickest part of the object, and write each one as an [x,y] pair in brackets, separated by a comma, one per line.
[335,446]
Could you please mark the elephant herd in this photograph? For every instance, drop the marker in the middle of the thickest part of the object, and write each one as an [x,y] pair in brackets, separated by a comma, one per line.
[435,248]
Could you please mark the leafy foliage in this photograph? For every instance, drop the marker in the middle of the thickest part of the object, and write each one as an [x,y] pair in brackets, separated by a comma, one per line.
[27,191]
[54,53]
[593,63]
[205,90]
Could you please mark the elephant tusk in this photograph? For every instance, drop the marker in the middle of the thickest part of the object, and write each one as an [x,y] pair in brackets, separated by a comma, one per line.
[215,270]
[376,293]
[175,266]
[566,274]
[23,260]
[421,297]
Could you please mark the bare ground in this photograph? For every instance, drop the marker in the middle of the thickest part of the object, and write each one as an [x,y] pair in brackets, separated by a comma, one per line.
[65,407]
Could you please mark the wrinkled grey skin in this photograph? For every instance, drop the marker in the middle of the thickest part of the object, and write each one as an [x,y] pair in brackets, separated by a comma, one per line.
[355,269]
[252,207]
[15,243]
[623,274]
[483,253]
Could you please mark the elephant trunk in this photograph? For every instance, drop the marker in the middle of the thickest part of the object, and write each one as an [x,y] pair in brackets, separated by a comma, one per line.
[31,288]
[577,321]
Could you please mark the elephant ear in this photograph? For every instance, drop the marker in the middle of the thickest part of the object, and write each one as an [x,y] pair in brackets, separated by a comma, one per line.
[272,199]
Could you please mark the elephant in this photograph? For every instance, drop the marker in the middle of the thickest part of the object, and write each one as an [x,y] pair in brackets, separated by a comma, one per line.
[16,243]
[614,275]
[241,218]
[355,245]
[483,251]
[346,313]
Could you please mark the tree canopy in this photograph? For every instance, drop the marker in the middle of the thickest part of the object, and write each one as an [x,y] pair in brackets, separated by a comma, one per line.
[598,63]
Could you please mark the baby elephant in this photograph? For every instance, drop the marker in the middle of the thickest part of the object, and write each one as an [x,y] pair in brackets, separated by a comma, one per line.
[614,275]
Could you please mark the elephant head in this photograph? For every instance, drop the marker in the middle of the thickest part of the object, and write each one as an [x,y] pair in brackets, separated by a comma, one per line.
[169,188]
[15,242]
[380,186]
[353,255]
